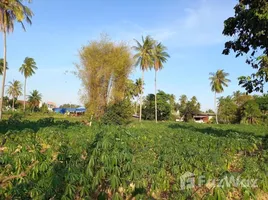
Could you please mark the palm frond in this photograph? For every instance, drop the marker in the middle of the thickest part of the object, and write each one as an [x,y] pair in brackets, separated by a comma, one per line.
[218,80]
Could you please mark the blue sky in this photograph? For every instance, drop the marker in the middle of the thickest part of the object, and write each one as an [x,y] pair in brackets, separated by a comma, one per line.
[190,29]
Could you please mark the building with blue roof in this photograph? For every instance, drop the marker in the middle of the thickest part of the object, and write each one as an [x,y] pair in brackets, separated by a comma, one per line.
[80,110]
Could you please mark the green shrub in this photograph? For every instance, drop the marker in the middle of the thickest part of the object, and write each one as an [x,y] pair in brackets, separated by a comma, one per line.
[44,121]
[118,113]
[16,117]
[173,117]
[44,108]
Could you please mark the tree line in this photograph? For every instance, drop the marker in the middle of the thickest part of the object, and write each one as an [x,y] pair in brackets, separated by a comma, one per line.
[14,88]
[12,11]
[243,108]
[104,70]
[105,66]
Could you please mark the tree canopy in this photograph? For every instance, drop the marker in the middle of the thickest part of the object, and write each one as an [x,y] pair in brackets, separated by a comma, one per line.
[188,108]
[28,67]
[14,89]
[251,111]
[218,80]
[14,10]
[243,108]
[249,29]
[228,110]
[34,99]
[144,53]
[164,108]
[104,69]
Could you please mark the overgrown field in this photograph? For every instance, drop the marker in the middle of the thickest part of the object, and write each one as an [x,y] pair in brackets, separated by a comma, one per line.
[67,160]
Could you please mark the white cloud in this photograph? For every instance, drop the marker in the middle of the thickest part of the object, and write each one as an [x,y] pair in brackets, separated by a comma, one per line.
[200,24]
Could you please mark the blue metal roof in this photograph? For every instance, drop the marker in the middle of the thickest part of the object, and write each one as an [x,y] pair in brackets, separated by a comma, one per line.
[81,109]
[73,110]
[70,109]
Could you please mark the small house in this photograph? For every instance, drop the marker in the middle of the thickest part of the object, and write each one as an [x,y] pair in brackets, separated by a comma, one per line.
[203,117]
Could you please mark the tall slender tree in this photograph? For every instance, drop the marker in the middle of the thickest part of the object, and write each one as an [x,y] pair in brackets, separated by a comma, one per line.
[218,80]
[27,69]
[14,90]
[144,57]
[11,11]
[160,56]
[138,91]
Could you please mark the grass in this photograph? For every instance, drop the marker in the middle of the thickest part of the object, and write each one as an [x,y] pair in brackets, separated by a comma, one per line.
[62,159]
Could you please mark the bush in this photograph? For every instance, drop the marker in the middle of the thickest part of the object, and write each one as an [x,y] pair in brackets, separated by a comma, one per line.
[173,117]
[16,117]
[118,113]
[46,121]
[44,108]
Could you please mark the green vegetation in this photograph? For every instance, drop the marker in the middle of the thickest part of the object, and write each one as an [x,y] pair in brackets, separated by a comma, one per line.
[104,69]
[2,66]
[45,155]
[63,160]
[164,106]
[34,100]
[118,113]
[218,80]
[27,69]
[11,11]
[138,88]
[14,91]
[159,57]
[243,108]
[150,54]
[249,29]
[144,59]
[188,108]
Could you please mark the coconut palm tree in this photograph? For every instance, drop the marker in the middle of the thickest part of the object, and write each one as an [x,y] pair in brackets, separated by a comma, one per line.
[144,59]
[172,99]
[27,69]
[183,99]
[138,91]
[34,99]
[160,56]
[10,11]
[218,80]
[14,90]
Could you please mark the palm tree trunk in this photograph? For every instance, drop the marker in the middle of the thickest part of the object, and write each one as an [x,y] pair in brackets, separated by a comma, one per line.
[4,75]
[155,100]
[141,94]
[13,103]
[24,103]
[216,109]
